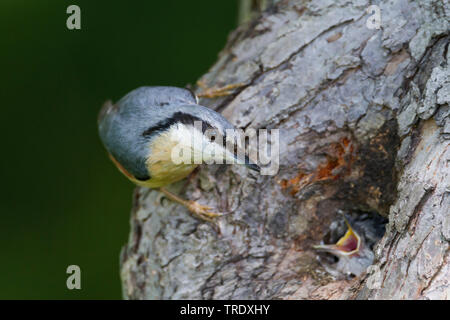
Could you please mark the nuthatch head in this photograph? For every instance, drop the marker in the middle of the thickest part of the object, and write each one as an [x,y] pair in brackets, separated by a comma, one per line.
[348,245]
[141,131]
[354,249]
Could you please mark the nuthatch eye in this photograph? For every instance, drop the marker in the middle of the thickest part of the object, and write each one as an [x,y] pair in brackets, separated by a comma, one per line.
[141,131]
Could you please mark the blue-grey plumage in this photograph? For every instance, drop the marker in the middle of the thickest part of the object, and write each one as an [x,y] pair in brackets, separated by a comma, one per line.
[134,127]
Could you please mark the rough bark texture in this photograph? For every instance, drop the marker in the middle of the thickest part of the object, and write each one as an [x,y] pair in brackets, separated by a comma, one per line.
[364,128]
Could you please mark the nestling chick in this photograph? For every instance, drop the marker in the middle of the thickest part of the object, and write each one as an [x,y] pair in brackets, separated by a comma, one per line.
[141,131]
[353,253]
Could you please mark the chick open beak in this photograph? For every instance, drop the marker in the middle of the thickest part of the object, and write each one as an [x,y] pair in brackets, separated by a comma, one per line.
[349,245]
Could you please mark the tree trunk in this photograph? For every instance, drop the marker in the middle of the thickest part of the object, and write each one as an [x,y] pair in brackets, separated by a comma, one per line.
[364,127]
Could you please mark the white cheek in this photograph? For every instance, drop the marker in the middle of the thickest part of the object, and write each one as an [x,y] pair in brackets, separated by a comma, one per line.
[179,134]
[188,137]
[200,146]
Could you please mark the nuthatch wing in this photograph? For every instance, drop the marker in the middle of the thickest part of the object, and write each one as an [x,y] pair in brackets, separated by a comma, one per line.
[141,131]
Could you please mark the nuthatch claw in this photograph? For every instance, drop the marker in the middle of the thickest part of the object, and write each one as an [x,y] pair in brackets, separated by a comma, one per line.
[146,128]
[200,211]
[203,212]
[216,92]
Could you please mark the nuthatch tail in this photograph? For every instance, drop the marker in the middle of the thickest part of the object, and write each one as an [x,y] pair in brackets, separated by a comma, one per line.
[141,131]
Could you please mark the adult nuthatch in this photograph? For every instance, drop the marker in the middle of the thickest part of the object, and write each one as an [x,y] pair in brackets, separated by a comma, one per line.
[141,131]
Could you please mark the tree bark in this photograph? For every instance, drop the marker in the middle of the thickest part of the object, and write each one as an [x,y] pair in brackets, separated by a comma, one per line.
[364,129]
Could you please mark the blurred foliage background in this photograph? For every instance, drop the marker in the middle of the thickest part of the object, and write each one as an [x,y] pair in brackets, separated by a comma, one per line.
[62,200]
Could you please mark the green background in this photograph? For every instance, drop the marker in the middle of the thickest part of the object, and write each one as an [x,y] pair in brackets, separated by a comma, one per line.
[62,200]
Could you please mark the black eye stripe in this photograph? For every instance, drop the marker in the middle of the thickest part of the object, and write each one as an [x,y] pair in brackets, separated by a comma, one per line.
[205,126]
[143,178]
[177,117]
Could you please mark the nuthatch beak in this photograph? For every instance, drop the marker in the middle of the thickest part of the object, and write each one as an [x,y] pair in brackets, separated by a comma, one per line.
[144,130]
[348,245]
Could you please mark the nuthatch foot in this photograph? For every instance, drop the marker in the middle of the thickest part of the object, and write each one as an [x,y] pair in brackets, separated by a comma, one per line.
[217,92]
[141,131]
